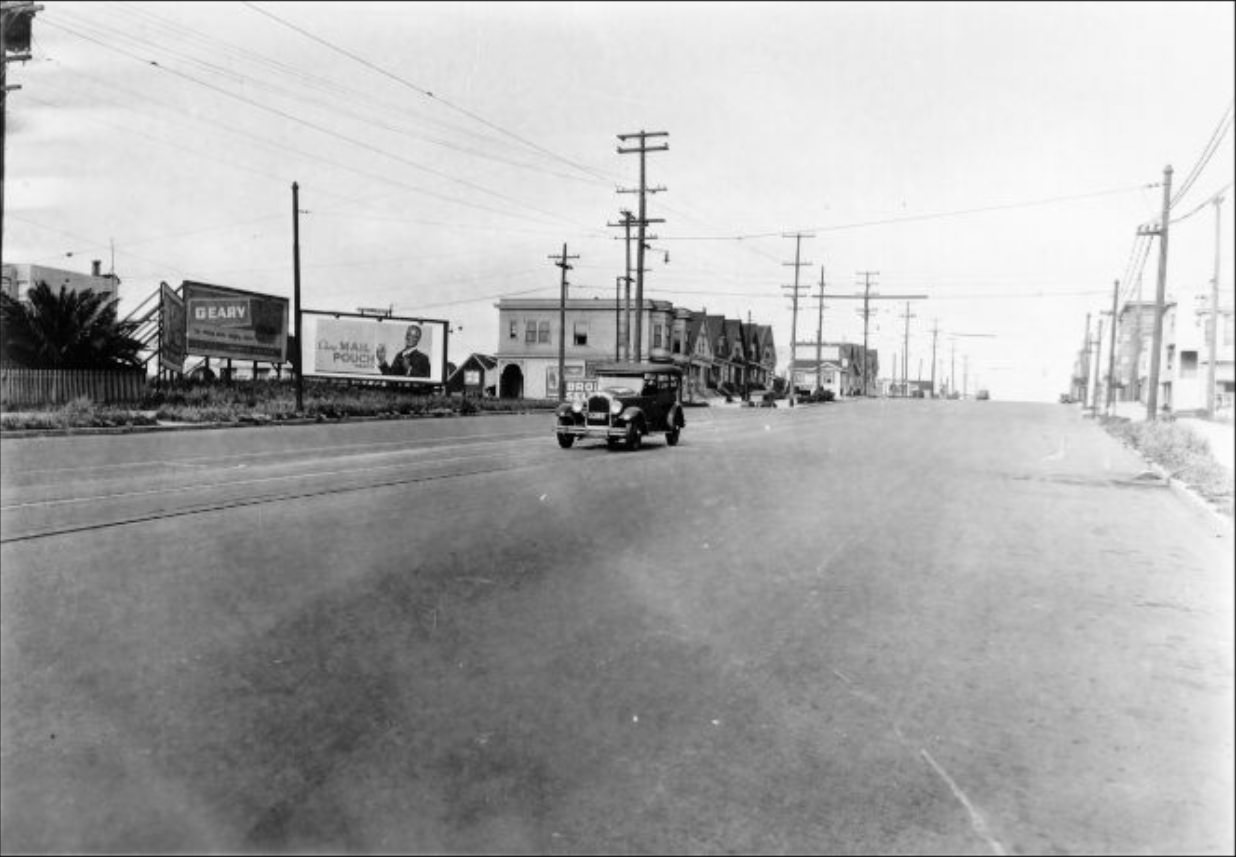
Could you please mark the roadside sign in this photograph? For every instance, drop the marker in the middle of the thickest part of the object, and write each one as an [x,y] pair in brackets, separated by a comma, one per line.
[579,389]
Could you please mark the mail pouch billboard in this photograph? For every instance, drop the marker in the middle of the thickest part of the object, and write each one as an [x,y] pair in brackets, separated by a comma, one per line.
[356,346]
[224,322]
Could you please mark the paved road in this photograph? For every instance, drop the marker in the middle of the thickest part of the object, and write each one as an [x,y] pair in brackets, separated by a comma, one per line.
[881,626]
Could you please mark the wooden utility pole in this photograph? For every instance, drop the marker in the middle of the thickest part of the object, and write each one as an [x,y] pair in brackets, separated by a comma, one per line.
[16,22]
[952,372]
[867,297]
[1152,395]
[905,353]
[935,332]
[624,317]
[1213,340]
[1111,353]
[298,354]
[819,336]
[1098,349]
[561,262]
[798,265]
[618,318]
[866,275]
[1085,360]
[642,149]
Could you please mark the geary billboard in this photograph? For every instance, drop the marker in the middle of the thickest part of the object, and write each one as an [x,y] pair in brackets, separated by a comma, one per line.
[226,322]
[343,345]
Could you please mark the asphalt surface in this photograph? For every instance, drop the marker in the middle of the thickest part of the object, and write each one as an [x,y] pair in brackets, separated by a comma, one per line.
[881,626]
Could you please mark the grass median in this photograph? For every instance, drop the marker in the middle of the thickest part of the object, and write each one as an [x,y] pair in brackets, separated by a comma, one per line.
[1184,454]
[257,402]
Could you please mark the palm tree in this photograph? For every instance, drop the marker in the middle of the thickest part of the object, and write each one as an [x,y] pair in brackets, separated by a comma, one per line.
[72,330]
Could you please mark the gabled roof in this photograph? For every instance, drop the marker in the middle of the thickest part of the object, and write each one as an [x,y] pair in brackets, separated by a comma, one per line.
[696,324]
[734,337]
[475,360]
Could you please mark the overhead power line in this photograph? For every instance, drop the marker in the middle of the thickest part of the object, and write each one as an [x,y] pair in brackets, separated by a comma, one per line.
[425,92]
[319,128]
[1206,203]
[1212,145]
[917,217]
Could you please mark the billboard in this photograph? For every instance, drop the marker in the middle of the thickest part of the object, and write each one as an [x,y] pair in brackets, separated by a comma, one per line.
[342,345]
[578,386]
[225,322]
[172,344]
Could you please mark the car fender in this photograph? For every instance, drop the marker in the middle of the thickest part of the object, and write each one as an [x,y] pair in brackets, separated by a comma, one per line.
[633,413]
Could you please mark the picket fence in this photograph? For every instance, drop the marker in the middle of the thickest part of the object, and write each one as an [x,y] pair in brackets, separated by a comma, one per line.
[27,387]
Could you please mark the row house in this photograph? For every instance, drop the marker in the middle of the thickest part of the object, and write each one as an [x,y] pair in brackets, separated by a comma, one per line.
[1134,335]
[711,349]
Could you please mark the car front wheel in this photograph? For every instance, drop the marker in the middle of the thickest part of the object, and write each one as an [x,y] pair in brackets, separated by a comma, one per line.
[565,440]
[634,438]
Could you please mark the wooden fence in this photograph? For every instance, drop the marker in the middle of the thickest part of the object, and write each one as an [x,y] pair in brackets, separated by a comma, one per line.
[27,387]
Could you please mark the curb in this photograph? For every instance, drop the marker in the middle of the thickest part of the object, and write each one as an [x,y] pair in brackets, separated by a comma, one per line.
[1201,504]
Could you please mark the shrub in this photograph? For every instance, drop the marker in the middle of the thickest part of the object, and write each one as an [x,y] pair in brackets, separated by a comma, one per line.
[1180,452]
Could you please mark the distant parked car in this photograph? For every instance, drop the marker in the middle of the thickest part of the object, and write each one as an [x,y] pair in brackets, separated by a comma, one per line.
[631,400]
[982,395]
[1066,399]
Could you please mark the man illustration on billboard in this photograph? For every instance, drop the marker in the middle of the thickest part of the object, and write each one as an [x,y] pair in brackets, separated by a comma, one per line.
[409,362]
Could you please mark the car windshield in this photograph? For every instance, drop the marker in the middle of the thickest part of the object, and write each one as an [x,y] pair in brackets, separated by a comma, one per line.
[618,387]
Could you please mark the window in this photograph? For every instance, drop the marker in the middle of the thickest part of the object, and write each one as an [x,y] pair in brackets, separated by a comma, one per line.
[581,333]
[542,332]
[514,330]
[677,340]
[658,338]
[530,335]
[1227,329]
[1188,364]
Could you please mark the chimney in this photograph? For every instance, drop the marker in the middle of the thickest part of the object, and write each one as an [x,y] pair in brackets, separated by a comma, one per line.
[96,268]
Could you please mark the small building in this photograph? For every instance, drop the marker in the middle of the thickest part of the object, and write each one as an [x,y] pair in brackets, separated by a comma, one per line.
[475,376]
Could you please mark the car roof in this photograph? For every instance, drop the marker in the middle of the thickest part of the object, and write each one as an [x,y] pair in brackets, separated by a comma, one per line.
[638,369]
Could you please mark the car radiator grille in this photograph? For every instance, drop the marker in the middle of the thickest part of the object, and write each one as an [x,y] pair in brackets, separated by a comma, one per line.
[598,410]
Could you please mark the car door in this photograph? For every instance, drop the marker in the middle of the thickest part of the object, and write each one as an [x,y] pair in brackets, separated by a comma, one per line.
[652,401]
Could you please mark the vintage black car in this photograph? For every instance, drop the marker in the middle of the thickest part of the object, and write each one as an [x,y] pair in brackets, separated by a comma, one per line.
[631,400]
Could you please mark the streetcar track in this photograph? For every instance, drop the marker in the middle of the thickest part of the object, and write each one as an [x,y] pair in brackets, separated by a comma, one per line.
[180,489]
[221,461]
[256,501]
[709,430]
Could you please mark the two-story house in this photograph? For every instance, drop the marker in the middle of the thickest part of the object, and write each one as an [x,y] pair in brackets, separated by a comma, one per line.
[1184,364]
[530,329]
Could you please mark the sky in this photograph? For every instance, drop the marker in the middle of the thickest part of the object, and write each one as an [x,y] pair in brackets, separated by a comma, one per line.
[996,159]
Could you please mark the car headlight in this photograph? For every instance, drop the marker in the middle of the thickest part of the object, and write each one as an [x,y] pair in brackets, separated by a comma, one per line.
[615,407]
[577,406]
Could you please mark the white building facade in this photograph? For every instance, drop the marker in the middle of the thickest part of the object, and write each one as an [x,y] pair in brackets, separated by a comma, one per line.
[17,279]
